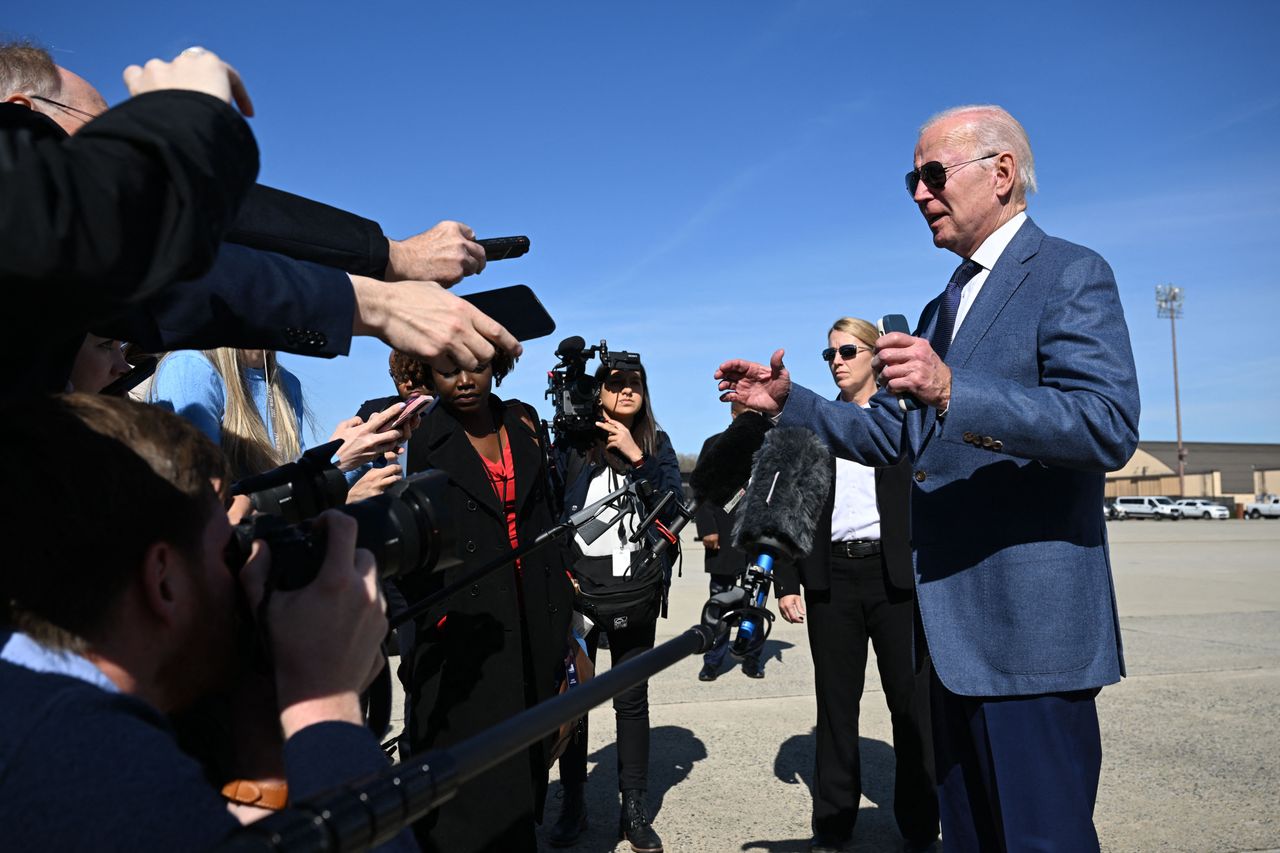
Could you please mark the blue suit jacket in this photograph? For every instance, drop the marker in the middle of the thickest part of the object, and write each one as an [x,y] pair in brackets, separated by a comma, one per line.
[1012,572]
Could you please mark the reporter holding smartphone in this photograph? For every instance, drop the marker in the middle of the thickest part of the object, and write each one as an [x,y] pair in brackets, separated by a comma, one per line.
[629,446]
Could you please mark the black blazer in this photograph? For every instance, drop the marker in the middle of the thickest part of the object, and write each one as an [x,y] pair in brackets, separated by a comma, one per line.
[487,663]
[712,518]
[893,493]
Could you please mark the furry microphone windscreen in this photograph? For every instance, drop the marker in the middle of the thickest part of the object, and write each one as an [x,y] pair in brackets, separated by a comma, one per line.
[726,465]
[789,485]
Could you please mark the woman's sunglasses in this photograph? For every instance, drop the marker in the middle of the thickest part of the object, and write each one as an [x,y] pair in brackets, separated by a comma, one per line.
[848,352]
[934,174]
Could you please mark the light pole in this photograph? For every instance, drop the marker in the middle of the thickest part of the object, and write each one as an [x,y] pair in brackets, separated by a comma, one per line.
[1169,304]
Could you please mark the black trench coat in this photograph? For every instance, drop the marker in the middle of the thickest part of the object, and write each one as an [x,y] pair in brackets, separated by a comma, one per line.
[487,664]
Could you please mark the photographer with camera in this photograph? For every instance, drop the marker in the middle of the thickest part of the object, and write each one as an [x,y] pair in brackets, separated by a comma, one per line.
[623,443]
[497,648]
[120,607]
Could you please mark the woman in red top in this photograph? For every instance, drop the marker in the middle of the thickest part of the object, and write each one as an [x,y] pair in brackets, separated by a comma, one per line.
[497,648]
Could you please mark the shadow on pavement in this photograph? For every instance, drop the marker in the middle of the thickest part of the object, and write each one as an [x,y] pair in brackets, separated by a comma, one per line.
[876,828]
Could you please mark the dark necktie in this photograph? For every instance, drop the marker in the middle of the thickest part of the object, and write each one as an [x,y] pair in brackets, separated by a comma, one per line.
[950,304]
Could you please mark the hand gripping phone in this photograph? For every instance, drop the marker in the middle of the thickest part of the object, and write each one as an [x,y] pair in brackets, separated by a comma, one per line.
[898,323]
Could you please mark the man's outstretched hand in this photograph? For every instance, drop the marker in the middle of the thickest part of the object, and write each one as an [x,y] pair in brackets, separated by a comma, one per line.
[764,389]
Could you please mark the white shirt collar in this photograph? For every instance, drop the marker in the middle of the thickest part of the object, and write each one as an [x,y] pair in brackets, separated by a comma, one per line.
[993,247]
[20,650]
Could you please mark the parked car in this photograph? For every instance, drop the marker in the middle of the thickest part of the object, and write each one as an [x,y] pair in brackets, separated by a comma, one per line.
[1269,508]
[1114,513]
[1201,508]
[1146,506]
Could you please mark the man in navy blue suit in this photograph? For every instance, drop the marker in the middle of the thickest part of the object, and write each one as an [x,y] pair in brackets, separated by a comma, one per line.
[1024,378]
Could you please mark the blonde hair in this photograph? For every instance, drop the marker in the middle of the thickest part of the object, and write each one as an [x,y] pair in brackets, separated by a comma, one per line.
[246,440]
[860,329]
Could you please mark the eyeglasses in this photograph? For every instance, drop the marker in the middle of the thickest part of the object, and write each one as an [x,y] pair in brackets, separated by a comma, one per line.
[848,352]
[87,116]
[934,174]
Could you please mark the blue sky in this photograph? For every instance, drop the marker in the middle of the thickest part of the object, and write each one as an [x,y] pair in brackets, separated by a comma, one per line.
[706,180]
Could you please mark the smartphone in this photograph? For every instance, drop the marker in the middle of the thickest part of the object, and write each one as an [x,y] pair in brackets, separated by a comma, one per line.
[501,248]
[411,407]
[142,368]
[517,309]
[898,323]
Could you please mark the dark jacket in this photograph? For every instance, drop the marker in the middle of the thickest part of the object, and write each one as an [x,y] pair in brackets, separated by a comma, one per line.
[893,490]
[487,664]
[76,762]
[661,471]
[727,560]
[90,225]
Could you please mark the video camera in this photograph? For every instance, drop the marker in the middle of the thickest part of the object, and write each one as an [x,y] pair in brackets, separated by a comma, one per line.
[407,527]
[575,393]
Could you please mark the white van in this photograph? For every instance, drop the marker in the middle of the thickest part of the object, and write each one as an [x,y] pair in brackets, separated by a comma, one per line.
[1149,507]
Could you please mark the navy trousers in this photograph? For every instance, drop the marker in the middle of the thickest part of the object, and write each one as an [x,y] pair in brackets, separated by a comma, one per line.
[1017,773]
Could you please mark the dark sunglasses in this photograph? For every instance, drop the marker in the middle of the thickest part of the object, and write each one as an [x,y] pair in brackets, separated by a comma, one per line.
[934,174]
[848,352]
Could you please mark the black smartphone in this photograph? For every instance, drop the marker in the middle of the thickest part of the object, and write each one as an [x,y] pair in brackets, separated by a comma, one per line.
[898,323]
[143,368]
[501,248]
[516,308]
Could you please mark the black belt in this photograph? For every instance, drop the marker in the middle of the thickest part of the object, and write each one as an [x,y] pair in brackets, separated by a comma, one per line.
[854,548]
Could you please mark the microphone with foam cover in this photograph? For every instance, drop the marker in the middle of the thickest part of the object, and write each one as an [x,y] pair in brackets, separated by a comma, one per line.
[779,514]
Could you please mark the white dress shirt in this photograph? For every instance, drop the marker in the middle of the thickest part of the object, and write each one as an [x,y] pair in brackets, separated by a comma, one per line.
[986,255]
[855,514]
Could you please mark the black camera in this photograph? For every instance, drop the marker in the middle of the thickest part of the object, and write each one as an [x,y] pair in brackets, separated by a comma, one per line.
[298,490]
[407,528]
[575,393]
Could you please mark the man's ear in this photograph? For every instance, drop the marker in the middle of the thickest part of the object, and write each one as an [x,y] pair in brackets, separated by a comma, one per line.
[164,576]
[1005,174]
[21,100]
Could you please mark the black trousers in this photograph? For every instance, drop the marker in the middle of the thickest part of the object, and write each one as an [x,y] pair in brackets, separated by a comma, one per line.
[861,606]
[630,708]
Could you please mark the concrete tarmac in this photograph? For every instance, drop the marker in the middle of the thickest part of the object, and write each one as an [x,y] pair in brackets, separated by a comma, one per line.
[1191,760]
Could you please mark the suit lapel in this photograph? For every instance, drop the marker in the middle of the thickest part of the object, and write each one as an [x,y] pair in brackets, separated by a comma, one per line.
[1003,281]
[526,453]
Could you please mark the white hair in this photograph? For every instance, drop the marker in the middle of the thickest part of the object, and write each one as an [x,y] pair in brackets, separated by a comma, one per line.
[991,129]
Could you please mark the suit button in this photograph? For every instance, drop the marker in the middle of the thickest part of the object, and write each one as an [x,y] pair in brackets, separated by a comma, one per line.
[987,441]
[471,505]
[920,476]
[471,546]
[551,608]
[968,437]
[475,589]
[997,445]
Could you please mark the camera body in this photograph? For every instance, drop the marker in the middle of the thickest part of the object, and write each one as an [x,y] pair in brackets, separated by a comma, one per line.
[575,392]
[407,527]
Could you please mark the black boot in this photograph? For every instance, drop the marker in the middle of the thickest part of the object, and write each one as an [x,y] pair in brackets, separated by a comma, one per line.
[573,816]
[633,824]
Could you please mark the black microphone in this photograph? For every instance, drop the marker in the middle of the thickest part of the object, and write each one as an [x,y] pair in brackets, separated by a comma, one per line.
[570,347]
[726,465]
[778,517]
